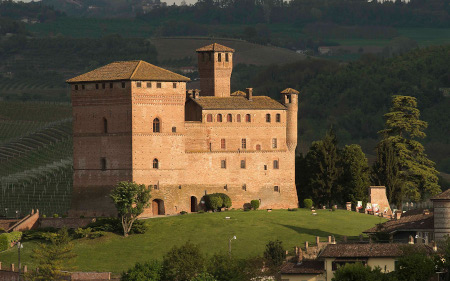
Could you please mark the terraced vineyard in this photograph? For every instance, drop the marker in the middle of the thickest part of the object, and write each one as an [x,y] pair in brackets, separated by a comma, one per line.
[35,158]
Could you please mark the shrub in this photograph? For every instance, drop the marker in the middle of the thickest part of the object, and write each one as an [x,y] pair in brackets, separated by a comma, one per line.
[213,202]
[114,225]
[226,200]
[201,212]
[333,208]
[96,234]
[44,216]
[308,203]
[55,216]
[2,230]
[255,204]
[139,227]
[293,209]
[183,263]
[8,239]
[82,232]
[64,216]
[274,253]
[247,209]
[183,213]
[149,271]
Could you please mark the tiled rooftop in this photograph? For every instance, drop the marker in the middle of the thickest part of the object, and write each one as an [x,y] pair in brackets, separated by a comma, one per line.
[304,267]
[239,102]
[411,220]
[443,196]
[369,250]
[215,48]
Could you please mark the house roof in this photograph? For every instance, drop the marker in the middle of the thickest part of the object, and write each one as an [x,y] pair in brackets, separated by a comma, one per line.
[304,267]
[290,91]
[215,48]
[129,70]
[411,220]
[443,196]
[370,250]
[238,102]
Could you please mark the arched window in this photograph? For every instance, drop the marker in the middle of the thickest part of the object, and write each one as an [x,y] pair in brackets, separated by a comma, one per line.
[229,118]
[268,118]
[155,164]
[275,164]
[156,126]
[219,117]
[209,118]
[248,118]
[278,118]
[238,118]
[258,147]
[105,125]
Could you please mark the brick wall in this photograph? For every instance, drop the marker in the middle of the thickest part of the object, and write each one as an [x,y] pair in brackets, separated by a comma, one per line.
[377,195]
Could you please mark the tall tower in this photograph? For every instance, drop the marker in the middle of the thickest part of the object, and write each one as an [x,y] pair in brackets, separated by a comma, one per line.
[289,97]
[215,63]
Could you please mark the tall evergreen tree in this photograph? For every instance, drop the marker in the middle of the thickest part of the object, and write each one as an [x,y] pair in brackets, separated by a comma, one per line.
[355,174]
[322,160]
[416,173]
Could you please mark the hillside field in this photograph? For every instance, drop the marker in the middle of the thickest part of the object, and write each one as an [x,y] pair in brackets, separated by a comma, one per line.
[211,231]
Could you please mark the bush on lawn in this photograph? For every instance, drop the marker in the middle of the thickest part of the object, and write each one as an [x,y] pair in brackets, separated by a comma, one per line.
[9,239]
[255,204]
[308,203]
[216,201]
[114,225]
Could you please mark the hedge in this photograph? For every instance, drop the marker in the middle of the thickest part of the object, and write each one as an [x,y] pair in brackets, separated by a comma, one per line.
[6,239]
[216,201]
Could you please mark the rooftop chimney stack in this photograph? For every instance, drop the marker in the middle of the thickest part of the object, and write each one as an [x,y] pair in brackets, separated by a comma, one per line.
[398,215]
[249,93]
[411,240]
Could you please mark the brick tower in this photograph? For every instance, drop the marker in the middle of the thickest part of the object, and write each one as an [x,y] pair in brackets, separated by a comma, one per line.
[215,63]
[289,97]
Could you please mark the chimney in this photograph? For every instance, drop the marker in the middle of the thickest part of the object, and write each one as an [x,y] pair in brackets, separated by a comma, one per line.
[317,241]
[12,267]
[190,94]
[300,256]
[306,246]
[196,93]
[249,93]
[334,240]
[398,215]
[411,240]
[329,239]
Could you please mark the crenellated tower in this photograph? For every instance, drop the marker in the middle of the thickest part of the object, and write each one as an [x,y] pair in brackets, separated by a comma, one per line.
[215,64]
[289,97]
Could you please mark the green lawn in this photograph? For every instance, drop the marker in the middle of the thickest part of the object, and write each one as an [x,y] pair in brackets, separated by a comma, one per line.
[212,231]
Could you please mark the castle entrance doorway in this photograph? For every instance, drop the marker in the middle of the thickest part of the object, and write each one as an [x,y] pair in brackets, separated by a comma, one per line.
[194,204]
[158,207]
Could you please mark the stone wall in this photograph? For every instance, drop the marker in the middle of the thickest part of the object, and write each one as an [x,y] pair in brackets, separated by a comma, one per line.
[441,219]
[377,195]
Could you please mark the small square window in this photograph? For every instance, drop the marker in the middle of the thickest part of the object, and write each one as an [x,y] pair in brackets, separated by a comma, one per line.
[174,129]
[265,167]
[174,85]
[149,84]
[225,187]
[76,87]
[139,84]
[276,188]
[123,84]
[244,144]
[155,187]
[158,85]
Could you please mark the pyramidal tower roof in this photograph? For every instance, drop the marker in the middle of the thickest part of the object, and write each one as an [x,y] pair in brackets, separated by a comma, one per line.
[215,48]
[129,70]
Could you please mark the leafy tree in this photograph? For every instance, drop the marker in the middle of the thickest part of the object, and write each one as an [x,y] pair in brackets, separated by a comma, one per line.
[323,161]
[414,265]
[183,263]
[52,257]
[204,277]
[358,272]
[402,127]
[149,271]
[275,253]
[255,204]
[442,260]
[308,203]
[130,200]
[355,174]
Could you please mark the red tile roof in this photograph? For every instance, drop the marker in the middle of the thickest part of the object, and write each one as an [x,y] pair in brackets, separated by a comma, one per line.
[290,91]
[129,70]
[370,250]
[411,220]
[443,196]
[238,102]
[304,267]
[215,48]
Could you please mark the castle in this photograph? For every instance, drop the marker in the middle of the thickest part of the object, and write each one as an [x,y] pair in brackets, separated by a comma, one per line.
[133,121]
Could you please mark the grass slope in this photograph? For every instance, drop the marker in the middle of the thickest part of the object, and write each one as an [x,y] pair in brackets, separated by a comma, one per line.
[212,231]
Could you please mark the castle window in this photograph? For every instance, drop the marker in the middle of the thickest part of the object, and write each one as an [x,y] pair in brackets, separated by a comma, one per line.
[155,164]
[103,163]
[155,187]
[174,129]
[248,118]
[103,85]
[258,147]
[244,187]
[96,86]
[123,84]
[223,164]
[274,143]
[242,164]
[149,84]
[265,167]
[225,187]
[220,57]
[105,125]
[276,188]
[158,85]
[227,57]
[219,117]
[111,85]
[244,143]
[139,84]
[76,87]
[209,118]
[275,164]
[268,118]
[278,118]
[222,144]
[156,126]
[174,85]
[83,87]
[229,118]
[238,118]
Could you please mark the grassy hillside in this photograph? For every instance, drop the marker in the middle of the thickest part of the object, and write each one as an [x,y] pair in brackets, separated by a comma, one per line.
[212,231]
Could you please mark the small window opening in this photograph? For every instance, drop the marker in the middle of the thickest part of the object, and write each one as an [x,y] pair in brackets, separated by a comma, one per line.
[268,118]
[220,57]
[156,125]
[258,147]
[275,164]
[219,117]
[265,167]
[242,164]
[274,143]
[174,85]
[174,129]
[209,118]
[111,85]
[238,118]
[229,118]
[149,84]
[276,188]
[225,187]
[105,125]
[223,164]
[227,57]
[83,87]
[103,163]
[278,118]
[96,86]
[123,84]
[222,144]
[76,87]
[155,164]
[248,118]
[158,85]
[139,84]
[155,187]
[244,143]
[244,187]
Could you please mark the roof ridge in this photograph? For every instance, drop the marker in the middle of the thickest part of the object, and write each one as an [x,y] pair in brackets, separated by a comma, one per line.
[135,69]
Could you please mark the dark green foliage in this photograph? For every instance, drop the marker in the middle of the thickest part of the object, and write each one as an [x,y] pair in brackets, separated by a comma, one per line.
[255,204]
[308,203]
[6,239]
[183,213]
[204,276]
[355,174]
[216,201]
[226,268]
[275,253]
[358,272]
[183,263]
[115,225]
[442,261]
[292,209]
[149,271]
[130,200]
[414,265]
